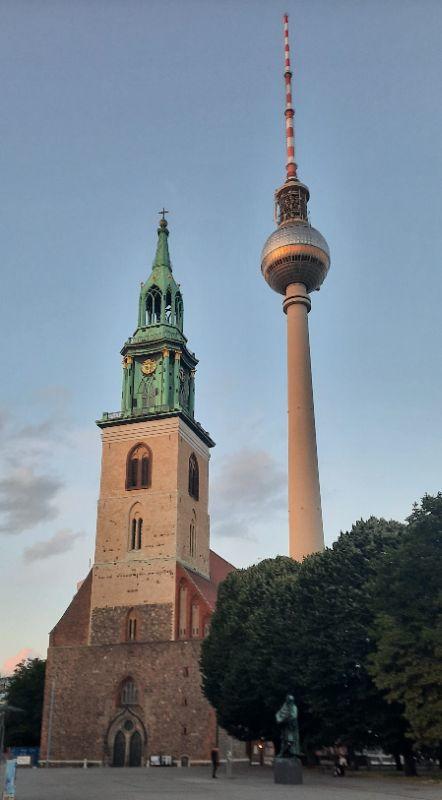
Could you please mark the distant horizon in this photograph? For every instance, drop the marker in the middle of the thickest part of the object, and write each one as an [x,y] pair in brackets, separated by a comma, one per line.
[113,112]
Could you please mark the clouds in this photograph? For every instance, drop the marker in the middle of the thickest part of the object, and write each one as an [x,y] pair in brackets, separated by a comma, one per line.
[247,489]
[30,490]
[59,543]
[26,499]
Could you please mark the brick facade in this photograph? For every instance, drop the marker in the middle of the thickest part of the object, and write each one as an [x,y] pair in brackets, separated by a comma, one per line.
[170,712]
[122,679]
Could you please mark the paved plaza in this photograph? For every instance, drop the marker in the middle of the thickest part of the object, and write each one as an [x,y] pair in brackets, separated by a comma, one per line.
[248,783]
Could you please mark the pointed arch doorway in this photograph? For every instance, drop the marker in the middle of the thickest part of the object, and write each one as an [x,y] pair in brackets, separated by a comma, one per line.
[126,739]
[119,754]
[127,749]
[135,749]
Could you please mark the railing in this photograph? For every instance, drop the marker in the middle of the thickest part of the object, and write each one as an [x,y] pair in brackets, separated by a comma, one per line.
[112,415]
[141,412]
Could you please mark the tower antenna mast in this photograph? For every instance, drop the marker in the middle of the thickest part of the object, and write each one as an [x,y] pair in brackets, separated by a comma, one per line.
[289,110]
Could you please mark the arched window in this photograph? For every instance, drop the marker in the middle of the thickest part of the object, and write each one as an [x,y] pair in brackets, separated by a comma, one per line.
[169,307]
[138,472]
[194,477]
[129,693]
[135,527]
[131,627]
[206,628]
[139,533]
[153,306]
[133,534]
[179,311]
[182,625]
[195,619]
[192,536]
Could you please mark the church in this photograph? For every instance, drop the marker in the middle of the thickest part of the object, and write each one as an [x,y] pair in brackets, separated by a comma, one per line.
[122,681]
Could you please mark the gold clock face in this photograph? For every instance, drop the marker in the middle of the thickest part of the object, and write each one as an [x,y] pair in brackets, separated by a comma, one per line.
[148,366]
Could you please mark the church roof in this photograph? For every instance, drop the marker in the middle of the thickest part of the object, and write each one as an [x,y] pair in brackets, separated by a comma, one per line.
[219,567]
[208,588]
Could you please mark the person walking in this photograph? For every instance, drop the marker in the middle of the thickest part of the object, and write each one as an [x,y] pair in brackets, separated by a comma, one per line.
[214,756]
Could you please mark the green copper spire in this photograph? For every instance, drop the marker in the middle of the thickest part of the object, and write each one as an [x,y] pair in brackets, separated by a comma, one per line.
[158,368]
[161,302]
[162,257]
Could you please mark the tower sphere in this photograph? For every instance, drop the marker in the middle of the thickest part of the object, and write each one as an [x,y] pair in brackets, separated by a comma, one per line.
[295,253]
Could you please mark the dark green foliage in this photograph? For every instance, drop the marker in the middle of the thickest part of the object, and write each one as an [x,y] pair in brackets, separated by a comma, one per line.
[246,658]
[25,692]
[407,662]
[334,613]
[281,626]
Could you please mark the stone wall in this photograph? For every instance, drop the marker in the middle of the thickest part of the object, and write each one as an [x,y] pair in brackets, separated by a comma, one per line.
[154,623]
[87,681]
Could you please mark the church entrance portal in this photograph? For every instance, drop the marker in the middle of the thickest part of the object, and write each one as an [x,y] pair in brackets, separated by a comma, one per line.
[127,749]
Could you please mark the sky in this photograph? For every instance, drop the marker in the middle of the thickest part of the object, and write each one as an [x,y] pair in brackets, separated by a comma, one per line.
[112,109]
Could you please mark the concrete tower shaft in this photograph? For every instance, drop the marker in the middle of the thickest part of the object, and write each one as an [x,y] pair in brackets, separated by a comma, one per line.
[305,514]
[294,262]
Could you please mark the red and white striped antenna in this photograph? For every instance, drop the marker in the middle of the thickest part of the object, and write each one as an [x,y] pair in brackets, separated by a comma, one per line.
[289,110]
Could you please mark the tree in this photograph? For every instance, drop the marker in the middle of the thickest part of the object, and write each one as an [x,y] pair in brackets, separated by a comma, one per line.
[334,618]
[283,627]
[407,662]
[25,691]
[250,634]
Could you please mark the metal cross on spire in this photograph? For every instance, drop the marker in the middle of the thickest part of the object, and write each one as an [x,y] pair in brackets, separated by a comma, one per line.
[163,213]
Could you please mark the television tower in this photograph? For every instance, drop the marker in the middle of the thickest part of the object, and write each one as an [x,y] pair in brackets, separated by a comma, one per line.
[294,262]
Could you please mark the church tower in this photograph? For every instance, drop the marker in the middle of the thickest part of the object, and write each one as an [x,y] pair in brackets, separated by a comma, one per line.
[153,504]
[123,684]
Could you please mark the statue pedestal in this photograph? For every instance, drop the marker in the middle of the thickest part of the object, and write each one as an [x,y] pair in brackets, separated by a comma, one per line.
[287,770]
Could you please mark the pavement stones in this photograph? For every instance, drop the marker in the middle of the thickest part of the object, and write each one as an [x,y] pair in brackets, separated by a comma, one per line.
[195,783]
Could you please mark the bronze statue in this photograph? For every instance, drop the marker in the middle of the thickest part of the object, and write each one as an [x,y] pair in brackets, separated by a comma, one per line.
[287,718]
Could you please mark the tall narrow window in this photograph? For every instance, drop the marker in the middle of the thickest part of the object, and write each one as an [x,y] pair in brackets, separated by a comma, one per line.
[192,536]
[133,472]
[145,472]
[153,306]
[139,533]
[194,477]
[139,468]
[182,626]
[168,307]
[195,618]
[131,628]
[133,534]
[179,311]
